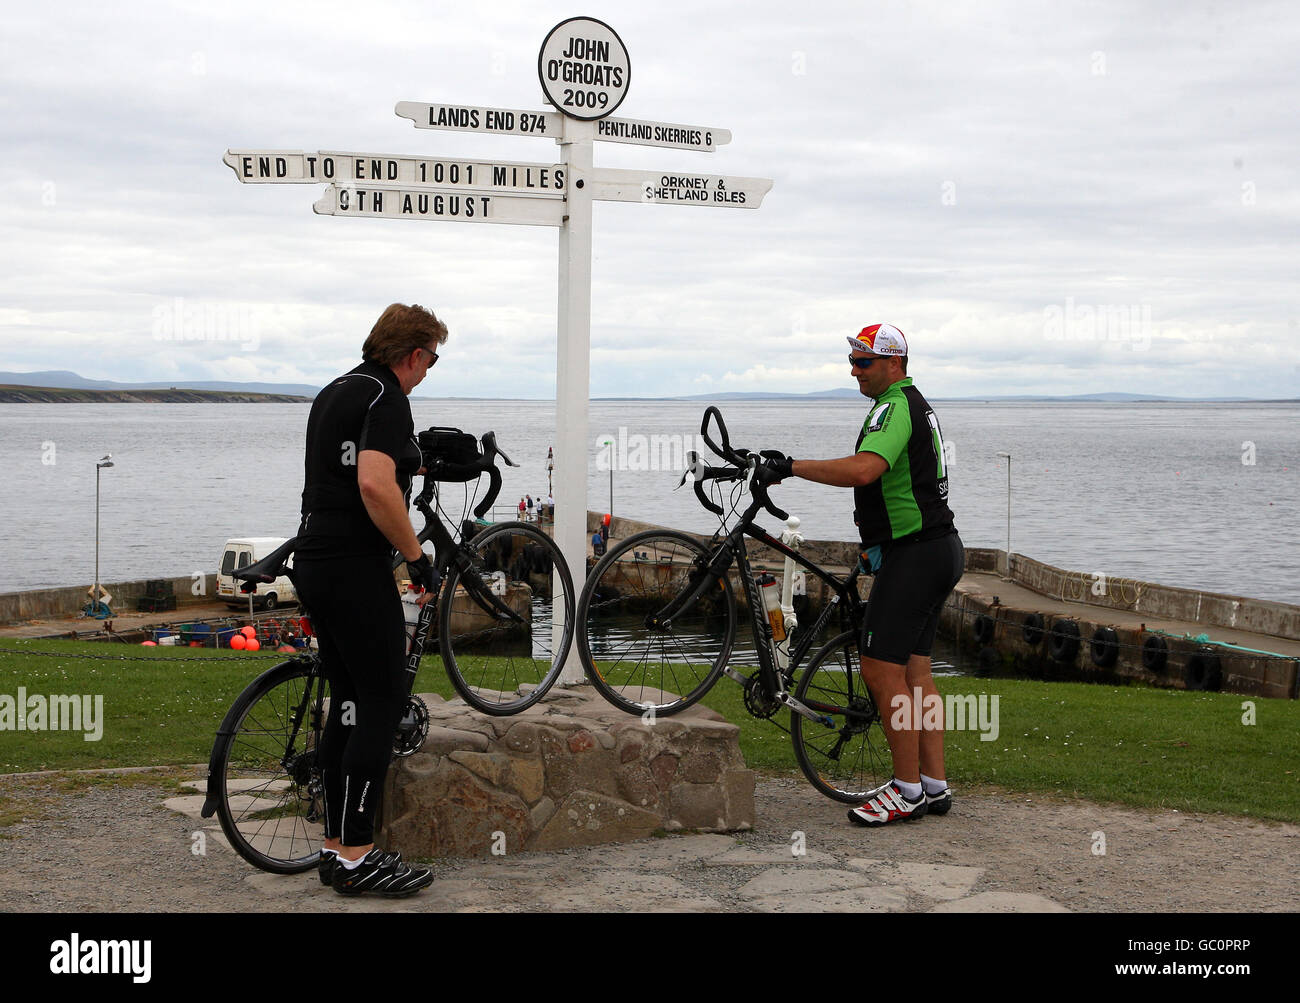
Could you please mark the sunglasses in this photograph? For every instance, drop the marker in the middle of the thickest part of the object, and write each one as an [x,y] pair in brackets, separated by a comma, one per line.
[433,357]
[865,361]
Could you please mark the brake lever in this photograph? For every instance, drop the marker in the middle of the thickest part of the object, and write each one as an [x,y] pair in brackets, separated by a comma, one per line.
[694,468]
[490,446]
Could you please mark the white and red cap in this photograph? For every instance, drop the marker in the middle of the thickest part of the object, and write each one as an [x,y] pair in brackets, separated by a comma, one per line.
[880,339]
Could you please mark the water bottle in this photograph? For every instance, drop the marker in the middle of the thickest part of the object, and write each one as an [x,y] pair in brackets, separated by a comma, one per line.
[411,612]
[775,617]
[772,603]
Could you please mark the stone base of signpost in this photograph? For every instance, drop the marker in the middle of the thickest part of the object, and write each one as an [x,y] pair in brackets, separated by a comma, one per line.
[572,771]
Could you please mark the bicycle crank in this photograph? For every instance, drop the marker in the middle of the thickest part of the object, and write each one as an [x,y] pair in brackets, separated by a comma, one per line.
[412,729]
[757,701]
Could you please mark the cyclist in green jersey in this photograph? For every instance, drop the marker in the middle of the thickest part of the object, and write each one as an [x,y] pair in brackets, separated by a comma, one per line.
[900,492]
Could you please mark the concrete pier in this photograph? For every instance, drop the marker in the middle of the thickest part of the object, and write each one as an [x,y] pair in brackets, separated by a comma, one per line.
[1163,636]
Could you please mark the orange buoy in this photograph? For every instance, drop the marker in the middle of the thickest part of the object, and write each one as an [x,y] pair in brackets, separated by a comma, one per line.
[148,644]
[253,644]
[238,642]
[248,631]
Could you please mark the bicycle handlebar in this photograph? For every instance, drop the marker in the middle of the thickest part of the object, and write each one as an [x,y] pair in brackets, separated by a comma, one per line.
[445,471]
[749,464]
[725,450]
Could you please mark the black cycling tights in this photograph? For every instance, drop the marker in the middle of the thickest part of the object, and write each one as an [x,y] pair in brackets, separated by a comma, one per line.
[357,616]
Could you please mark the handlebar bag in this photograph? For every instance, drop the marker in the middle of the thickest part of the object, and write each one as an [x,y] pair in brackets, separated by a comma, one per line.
[451,454]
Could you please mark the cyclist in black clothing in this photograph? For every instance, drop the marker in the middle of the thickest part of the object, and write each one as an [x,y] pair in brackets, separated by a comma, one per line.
[361,455]
[898,472]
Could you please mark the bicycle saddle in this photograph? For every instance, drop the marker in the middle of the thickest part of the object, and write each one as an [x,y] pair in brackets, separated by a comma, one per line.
[268,569]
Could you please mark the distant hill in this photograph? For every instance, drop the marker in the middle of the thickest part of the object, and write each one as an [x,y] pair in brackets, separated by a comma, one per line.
[12,394]
[62,379]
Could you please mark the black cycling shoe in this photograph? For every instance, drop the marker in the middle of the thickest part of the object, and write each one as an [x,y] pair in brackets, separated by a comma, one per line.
[938,804]
[381,873]
[325,867]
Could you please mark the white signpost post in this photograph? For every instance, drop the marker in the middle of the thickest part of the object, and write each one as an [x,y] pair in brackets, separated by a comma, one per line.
[584,71]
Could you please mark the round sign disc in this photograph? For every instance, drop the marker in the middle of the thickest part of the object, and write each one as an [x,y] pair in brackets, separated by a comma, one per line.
[584,68]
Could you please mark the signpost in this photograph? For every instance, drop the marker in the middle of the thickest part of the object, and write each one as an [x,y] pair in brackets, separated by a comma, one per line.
[585,73]
[584,68]
[677,188]
[436,203]
[295,167]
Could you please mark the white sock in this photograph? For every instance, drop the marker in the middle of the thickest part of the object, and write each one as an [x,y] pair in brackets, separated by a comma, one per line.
[351,865]
[910,791]
[933,786]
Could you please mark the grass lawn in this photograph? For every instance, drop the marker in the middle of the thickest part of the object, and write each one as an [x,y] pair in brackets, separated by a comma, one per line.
[1146,748]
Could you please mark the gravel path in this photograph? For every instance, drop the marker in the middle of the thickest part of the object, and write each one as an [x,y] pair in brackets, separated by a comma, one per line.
[113,846]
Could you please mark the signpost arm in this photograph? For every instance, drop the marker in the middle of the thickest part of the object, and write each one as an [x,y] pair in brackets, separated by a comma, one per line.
[573,364]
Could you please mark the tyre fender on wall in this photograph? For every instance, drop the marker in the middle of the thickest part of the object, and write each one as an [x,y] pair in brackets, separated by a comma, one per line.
[1105,647]
[1155,654]
[1203,671]
[1063,642]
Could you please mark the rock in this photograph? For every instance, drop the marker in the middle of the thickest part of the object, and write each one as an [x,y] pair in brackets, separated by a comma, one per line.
[701,767]
[664,768]
[555,776]
[522,737]
[442,740]
[491,766]
[636,785]
[585,818]
[528,778]
[581,741]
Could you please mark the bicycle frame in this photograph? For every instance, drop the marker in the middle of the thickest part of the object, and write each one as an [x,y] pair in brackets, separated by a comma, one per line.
[731,550]
[446,550]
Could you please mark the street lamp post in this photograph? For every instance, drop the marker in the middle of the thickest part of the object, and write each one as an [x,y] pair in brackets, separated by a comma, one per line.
[107,461]
[610,443]
[1008,458]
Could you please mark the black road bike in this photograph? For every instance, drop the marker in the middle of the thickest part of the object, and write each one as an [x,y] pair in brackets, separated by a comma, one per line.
[503,616]
[657,621]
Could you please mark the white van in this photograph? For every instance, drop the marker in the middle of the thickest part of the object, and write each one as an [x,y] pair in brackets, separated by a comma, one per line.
[241,553]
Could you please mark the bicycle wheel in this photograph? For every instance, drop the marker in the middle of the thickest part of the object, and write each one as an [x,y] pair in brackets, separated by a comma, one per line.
[269,798]
[848,756]
[503,663]
[636,661]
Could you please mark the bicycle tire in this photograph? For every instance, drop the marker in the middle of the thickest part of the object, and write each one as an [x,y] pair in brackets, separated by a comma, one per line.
[681,661]
[501,667]
[833,686]
[269,799]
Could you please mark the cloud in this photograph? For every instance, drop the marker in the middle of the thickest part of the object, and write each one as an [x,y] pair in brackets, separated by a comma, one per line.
[957,171]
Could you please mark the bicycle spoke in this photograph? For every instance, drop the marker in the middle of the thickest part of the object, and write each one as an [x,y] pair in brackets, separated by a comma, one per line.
[850,758]
[264,809]
[500,665]
[625,647]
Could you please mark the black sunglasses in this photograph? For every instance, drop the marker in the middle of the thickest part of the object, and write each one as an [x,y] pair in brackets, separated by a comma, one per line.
[865,361]
[433,357]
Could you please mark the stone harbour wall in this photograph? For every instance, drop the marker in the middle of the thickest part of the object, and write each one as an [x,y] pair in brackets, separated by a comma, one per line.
[571,771]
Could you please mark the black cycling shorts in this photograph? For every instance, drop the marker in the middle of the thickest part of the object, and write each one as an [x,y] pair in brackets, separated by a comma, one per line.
[357,615]
[911,587]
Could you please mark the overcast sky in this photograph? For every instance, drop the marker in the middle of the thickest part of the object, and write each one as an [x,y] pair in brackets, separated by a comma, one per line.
[1058,197]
